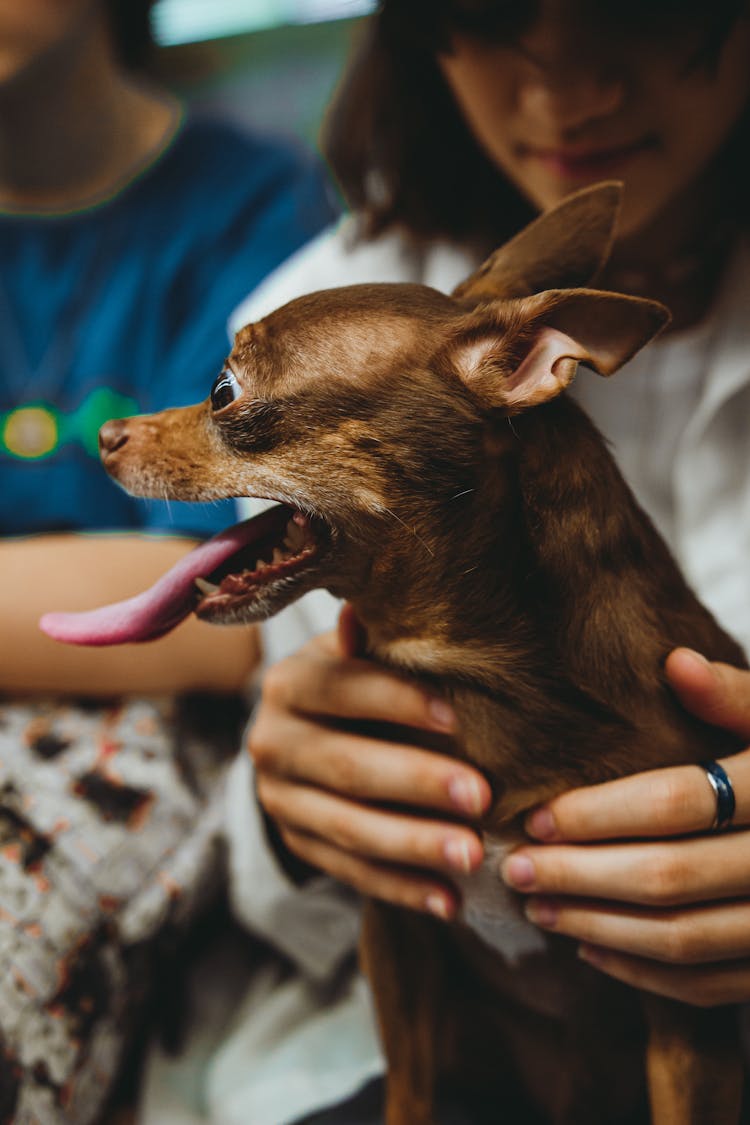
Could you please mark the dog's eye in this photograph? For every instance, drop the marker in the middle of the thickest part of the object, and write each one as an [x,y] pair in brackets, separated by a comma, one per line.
[225,390]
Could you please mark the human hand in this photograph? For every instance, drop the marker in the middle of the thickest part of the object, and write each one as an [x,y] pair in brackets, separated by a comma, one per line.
[669,915]
[344,801]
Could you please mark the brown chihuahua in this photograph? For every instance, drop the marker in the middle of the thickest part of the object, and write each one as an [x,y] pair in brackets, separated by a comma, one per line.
[429,468]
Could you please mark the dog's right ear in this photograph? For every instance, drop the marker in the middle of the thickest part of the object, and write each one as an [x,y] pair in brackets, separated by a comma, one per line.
[564,248]
[517,354]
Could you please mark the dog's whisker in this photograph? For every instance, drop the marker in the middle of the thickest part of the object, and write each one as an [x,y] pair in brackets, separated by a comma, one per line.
[166,498]
[416,535]
[458,495]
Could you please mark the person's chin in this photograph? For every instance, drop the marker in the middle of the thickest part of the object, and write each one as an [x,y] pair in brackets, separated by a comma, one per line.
[546,188]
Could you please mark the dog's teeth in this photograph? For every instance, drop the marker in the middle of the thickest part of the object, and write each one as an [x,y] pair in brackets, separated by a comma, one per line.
[278,555]
[295,536]
[260,565]
[205,586]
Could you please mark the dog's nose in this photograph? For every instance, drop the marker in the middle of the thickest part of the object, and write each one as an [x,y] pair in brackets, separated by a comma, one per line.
[112,436]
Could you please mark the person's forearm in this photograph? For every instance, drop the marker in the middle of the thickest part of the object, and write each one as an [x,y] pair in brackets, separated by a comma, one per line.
[81,572]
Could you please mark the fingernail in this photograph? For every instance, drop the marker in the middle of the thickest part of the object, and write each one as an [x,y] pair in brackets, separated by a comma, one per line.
[466,794]
[442,714]
[438,905]
[541,911]
[592,955]
[541,825]
[519,871]
[458,854]
[698,657]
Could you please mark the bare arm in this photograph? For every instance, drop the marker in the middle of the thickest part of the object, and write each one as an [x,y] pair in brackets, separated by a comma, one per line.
[83,571]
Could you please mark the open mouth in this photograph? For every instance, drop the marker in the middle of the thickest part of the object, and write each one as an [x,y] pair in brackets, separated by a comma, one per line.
[291,545]
[251,561]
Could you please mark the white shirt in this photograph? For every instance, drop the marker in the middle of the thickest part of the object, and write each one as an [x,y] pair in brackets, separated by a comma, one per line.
[677,417]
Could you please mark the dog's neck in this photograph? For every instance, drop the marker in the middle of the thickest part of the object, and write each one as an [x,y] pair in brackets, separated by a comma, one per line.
[492,576]
[449,607]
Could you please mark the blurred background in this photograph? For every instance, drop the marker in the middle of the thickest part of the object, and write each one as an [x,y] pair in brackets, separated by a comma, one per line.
[271,64]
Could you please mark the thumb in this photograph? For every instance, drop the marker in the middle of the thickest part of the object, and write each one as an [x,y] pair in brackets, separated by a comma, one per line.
[718,694]
[351,633]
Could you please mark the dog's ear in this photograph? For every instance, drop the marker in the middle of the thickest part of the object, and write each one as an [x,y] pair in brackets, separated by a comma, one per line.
[563,248]
[518,354]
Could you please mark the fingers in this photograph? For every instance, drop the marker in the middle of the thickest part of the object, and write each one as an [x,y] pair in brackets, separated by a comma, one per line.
[666,802]
[331,789]
[714,692]
[371,833]
[298,734]
[700,935]
[696,870]
[395,884]
[704,986]
[364,769]
[318,681]
[668,916]
[351,635]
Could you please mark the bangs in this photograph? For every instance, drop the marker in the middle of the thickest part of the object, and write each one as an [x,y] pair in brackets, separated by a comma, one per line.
[430,24]
[130,26]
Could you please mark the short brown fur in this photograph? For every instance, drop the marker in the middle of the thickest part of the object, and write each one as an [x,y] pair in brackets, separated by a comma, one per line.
[496,550]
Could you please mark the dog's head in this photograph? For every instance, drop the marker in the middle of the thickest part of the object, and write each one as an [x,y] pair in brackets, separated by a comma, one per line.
[365,412]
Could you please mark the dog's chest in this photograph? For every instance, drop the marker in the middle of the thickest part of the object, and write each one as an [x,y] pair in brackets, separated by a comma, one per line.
[493,912]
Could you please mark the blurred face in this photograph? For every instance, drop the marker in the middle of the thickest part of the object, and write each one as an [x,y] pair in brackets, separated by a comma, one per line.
[566,105]
[33,29]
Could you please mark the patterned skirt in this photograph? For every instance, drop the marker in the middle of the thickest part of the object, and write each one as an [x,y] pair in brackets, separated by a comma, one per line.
[110,838]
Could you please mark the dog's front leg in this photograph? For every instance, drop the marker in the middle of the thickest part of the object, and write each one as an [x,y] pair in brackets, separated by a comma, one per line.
[400,956]
[694,1065]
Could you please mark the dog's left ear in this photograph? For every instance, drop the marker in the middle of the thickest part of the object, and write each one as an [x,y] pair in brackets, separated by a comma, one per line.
[563,248]
[518,354]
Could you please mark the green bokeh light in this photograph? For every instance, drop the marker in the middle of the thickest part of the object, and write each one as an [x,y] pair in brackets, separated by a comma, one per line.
[37,430]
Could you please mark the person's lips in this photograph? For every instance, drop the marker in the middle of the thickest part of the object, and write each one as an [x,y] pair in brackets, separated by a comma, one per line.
[585,162]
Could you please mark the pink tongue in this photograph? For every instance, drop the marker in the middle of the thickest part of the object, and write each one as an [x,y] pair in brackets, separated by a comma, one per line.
[168,602]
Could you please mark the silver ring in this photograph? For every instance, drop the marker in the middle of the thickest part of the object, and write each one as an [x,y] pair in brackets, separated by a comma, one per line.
[724,793]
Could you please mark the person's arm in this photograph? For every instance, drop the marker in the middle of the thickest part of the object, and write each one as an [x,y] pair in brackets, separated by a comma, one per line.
[70,572]
[630,869]
[334,795]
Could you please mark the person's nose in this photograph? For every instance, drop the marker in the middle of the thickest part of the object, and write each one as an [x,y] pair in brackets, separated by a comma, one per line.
[567,96]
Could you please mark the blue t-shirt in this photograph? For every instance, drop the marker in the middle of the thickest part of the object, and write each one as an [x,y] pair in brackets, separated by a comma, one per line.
[122,309]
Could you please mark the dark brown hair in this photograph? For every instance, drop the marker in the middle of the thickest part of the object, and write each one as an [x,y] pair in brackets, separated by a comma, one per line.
[130,25]
[397,142]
